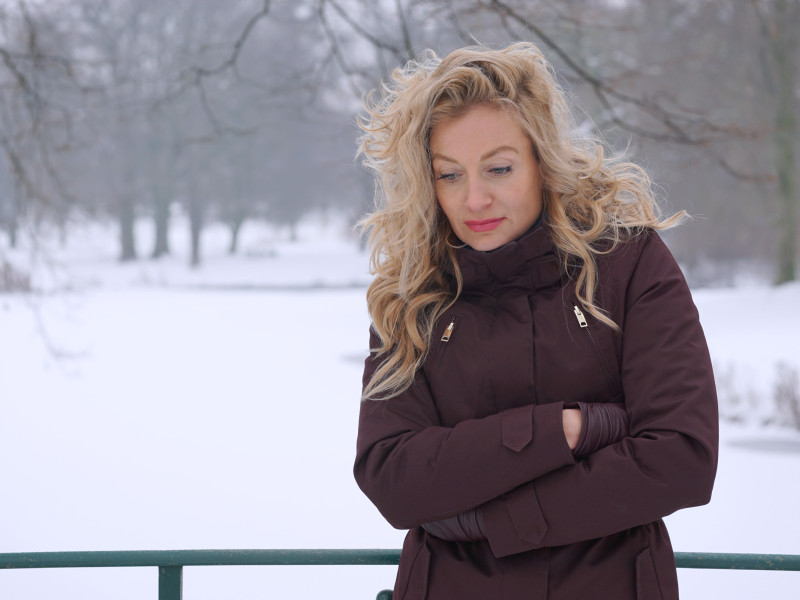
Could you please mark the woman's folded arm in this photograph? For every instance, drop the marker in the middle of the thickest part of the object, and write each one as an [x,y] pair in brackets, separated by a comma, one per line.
[416,471]
[668,462]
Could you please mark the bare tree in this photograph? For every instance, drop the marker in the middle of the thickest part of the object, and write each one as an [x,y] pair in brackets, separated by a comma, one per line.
[233,111]
[38,90]
[636,66]
[780,29]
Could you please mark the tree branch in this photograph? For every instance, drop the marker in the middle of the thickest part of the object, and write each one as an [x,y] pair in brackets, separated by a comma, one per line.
[375,41]
[680,127]
[336,50]
[404,28]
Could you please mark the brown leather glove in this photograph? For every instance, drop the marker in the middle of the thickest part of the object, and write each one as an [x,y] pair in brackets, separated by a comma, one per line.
[602,424]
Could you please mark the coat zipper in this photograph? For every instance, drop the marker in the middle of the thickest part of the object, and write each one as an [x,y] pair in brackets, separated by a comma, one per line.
[449,331]
[435,350]
[581,319]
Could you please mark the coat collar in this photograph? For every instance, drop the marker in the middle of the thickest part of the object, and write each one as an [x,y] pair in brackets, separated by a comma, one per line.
[522,265]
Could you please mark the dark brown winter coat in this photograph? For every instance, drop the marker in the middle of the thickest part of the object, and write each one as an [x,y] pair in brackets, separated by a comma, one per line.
[482,426]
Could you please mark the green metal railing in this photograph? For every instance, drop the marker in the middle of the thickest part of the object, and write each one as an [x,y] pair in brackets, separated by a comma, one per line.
[170,563]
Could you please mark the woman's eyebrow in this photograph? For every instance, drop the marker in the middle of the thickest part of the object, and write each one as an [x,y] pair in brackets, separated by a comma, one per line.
[497,150]
[483,157]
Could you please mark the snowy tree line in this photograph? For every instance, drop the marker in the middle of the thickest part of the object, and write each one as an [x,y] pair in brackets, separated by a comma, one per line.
[229,111]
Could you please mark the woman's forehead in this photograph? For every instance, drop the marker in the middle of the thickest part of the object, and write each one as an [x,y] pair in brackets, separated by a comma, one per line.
[480,132]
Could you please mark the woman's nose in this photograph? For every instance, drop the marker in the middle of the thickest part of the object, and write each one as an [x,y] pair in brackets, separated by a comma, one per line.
[478,196]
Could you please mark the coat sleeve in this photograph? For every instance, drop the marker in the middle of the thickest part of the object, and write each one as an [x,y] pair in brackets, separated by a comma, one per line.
[416,471]
[670,460]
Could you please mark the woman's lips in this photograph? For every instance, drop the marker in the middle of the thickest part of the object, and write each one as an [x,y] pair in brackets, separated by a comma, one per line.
[485,225]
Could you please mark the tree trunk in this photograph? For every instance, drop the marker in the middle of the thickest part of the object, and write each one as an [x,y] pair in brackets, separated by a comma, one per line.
[784,49]
[127,239]
[195,227]
[236,227]
[63,226]
[14,213]
[161,218]
[12,233]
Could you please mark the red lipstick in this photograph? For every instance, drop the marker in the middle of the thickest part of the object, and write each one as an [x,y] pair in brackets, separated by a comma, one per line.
[485,225]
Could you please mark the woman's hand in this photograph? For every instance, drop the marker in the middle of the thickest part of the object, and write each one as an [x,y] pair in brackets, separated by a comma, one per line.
[573,422]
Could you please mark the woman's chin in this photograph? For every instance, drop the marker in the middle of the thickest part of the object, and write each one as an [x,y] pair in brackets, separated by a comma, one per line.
[485,242]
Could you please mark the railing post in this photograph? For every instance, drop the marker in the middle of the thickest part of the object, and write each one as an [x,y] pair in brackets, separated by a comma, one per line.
[170,583]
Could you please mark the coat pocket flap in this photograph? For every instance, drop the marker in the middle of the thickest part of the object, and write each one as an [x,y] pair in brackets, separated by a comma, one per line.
[517,427]
[514,522]
[526,516]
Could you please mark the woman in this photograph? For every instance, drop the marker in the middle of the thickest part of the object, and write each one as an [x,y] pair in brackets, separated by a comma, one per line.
[539,392]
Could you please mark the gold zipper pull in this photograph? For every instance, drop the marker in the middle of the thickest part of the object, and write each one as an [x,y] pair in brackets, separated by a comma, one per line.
[581,319]
[449,331]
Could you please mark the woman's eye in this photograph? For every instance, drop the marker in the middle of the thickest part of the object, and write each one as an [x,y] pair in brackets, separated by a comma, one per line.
[447,177]
[500,170]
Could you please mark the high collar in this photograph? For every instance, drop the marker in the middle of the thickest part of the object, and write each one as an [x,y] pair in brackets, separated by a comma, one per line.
[520,266]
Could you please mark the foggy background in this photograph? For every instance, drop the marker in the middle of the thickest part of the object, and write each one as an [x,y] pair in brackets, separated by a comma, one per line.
[241,111]
[182,294]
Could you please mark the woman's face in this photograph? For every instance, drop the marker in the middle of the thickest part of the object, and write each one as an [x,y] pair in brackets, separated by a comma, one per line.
[486,178]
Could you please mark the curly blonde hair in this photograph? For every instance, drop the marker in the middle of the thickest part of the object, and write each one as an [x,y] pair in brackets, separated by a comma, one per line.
[591,202]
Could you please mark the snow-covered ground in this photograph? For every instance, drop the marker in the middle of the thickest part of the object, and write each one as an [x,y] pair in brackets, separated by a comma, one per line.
[150,406]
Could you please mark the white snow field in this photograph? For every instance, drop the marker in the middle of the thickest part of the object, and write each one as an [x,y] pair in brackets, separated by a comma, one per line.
[150,406]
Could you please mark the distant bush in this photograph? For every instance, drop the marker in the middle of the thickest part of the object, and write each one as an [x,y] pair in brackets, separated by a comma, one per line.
[786,394]
[12,279]
[738,401]
[742,399]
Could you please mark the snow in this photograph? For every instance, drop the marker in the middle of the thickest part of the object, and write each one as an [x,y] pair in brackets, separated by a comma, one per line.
[151,406]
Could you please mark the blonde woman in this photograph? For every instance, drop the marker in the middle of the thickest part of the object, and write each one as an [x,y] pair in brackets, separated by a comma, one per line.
[539,392]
